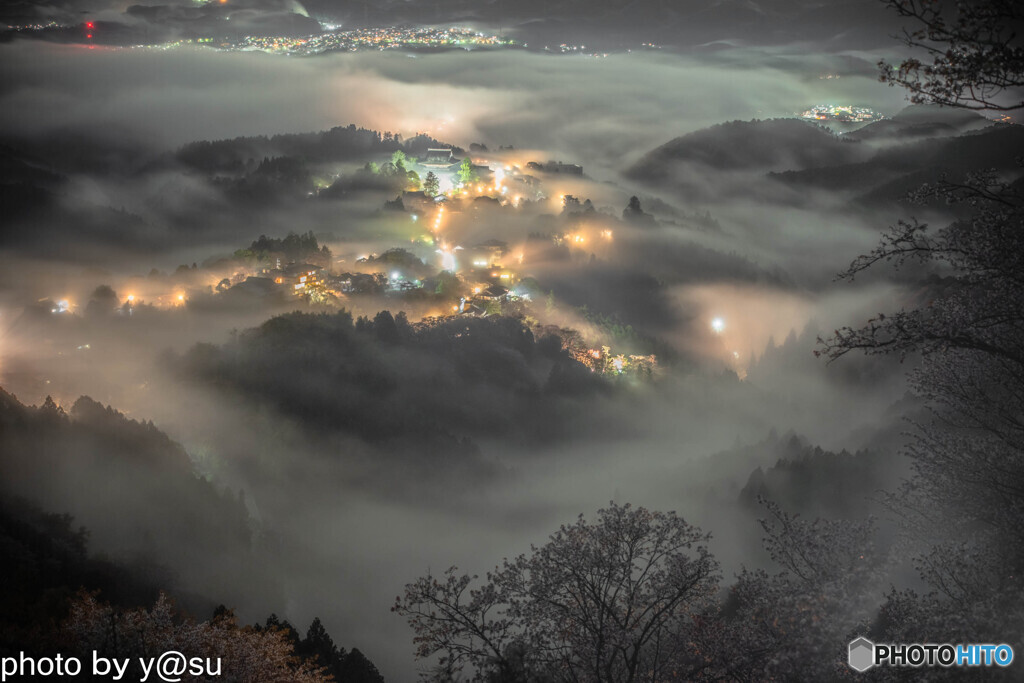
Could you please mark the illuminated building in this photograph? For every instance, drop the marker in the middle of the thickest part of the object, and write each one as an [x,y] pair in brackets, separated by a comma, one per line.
[439,158]
[494,293]
[300,276]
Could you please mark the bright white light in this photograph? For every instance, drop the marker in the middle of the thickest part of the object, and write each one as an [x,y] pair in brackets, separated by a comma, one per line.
[448,258]
[718,324]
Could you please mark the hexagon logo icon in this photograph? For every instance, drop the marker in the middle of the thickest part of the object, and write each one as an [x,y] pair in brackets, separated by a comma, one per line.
[862,654]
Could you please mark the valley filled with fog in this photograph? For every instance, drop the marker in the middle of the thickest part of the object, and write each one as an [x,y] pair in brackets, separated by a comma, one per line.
[329,381]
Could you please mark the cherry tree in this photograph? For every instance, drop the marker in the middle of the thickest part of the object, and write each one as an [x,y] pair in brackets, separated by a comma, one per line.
[794,624]
[245,654]
[963,506]
[617,600]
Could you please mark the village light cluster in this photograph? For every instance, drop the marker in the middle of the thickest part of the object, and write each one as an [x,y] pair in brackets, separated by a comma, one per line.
[485,270]
[841,114]
[485,280]
[388,38]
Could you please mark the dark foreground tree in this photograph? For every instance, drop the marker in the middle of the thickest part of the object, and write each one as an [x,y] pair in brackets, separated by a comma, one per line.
[963,506]
[794,625]
[616,601]
[344,667]
[972,53]
[970,333]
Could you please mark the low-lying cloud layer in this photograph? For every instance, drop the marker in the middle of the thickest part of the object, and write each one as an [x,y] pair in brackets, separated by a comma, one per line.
[605,111]
[711,279]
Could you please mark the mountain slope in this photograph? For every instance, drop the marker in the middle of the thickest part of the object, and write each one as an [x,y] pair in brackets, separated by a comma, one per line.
[131,486]
[773,145]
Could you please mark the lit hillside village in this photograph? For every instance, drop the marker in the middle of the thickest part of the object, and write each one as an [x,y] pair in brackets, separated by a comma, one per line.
[489,268]
[840,113]
[475,279]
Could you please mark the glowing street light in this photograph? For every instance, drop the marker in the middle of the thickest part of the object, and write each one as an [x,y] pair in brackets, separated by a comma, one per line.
[448,257]
[718,325]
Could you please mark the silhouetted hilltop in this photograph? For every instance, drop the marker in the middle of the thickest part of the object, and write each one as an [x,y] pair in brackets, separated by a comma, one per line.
[814,482]
[51,581]
[342,143]
[17,167]
[920,121]
[772,145]
[130,485]
[423,391]
[894,171]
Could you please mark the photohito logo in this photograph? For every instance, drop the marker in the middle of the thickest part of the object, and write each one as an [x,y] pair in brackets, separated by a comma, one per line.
[864,654]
